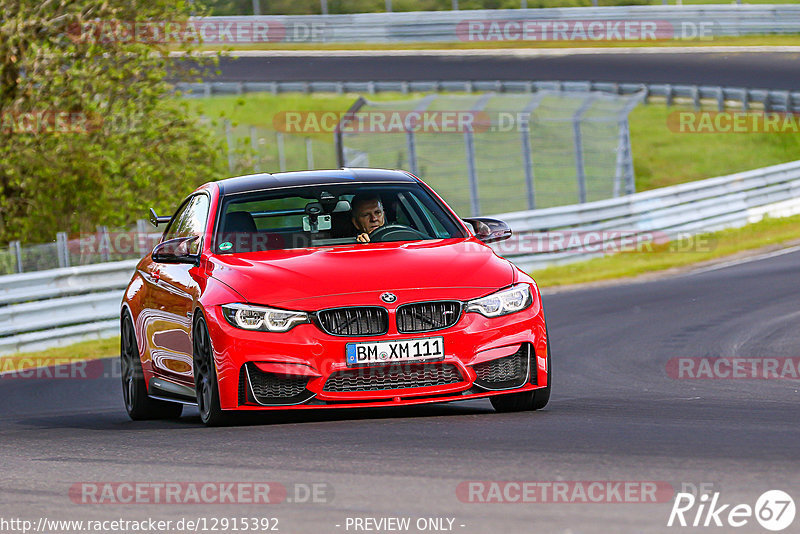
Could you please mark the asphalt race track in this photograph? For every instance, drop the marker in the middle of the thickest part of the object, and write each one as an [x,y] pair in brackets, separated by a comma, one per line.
[615,415]
[767,70]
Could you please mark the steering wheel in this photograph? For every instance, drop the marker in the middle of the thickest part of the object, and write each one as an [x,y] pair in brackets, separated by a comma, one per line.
[395,232]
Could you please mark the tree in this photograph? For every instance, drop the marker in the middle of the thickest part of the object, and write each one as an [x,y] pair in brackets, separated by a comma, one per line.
[89,131]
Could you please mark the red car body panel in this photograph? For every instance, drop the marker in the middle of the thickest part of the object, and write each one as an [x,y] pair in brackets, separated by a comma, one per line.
[163,300]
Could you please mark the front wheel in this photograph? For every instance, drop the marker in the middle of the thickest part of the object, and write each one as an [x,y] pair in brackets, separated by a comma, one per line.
[205,377]
[134,390]
[528,400]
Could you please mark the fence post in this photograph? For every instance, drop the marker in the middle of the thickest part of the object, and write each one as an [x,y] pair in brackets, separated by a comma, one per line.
[104,243]
[229,140]
[527,161]
[525,139]
[411,141]
[281,151]
[469,147]
[580,171]
[411,145]
[16,250]
[62,249]
[256,7]
[624,172]
[254,148]
[472,174]
[472,169]
[141,237]
[309,153]
[338,135]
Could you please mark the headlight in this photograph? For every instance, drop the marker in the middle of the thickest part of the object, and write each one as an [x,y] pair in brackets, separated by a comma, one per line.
[262,318]
[503,302]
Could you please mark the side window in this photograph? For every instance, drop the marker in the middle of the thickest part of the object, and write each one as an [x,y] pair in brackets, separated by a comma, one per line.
[191,220]
[174,227]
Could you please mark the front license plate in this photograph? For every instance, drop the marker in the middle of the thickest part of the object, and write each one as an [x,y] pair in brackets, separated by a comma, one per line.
[405,350]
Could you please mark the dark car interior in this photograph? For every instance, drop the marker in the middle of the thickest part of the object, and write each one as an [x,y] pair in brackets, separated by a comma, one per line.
[312,217]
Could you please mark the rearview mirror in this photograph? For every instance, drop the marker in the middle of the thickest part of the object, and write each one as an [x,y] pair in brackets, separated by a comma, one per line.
[489,230]
[175,251]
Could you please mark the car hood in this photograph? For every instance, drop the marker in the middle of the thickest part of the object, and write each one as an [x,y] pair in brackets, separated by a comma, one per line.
[346,275]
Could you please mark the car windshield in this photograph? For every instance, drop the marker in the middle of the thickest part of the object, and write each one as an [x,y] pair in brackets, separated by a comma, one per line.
[326,215]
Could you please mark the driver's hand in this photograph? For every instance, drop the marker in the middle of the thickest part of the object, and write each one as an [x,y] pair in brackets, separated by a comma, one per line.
[363,238]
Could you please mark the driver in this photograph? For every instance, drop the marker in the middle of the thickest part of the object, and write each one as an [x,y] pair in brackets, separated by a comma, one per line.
[367,215]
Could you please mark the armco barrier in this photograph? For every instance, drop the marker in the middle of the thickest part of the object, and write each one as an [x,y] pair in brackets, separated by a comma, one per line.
[702,206]
[700,96]
[679,22]
[61,306]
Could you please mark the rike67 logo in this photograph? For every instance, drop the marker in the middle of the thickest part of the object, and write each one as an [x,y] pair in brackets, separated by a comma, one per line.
[774,510]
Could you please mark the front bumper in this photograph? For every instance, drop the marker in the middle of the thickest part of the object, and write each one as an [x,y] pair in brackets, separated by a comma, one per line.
[305,368]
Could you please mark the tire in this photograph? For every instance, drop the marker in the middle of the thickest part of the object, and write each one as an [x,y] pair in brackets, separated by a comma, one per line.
[139,406]
[528,400]
[205,376]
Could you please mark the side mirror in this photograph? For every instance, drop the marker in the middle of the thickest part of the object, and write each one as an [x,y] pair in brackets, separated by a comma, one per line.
[175,251]
[155,220]
[489,230]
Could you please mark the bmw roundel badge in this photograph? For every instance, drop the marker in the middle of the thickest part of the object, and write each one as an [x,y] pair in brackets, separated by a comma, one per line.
[388,298]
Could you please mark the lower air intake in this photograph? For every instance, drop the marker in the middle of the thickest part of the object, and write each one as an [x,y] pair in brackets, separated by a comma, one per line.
[275,389]
[504,373]
[397,376]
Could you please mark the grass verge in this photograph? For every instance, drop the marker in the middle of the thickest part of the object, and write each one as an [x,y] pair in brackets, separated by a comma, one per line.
[662,157]
[85,350]
[712,246]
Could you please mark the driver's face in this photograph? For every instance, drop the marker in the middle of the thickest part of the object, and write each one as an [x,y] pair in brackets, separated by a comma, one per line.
[368,217]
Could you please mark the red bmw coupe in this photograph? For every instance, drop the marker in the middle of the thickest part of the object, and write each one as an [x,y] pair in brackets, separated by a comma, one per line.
[328,289]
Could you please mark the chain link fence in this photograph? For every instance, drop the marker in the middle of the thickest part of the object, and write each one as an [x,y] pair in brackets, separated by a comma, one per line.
[494,153]
[485,153]
[254,149]
[101,246]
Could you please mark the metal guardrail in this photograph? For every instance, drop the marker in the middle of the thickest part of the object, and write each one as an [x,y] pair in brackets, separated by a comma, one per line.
[61,306]
[699,96]
[677,22]
[570,233]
